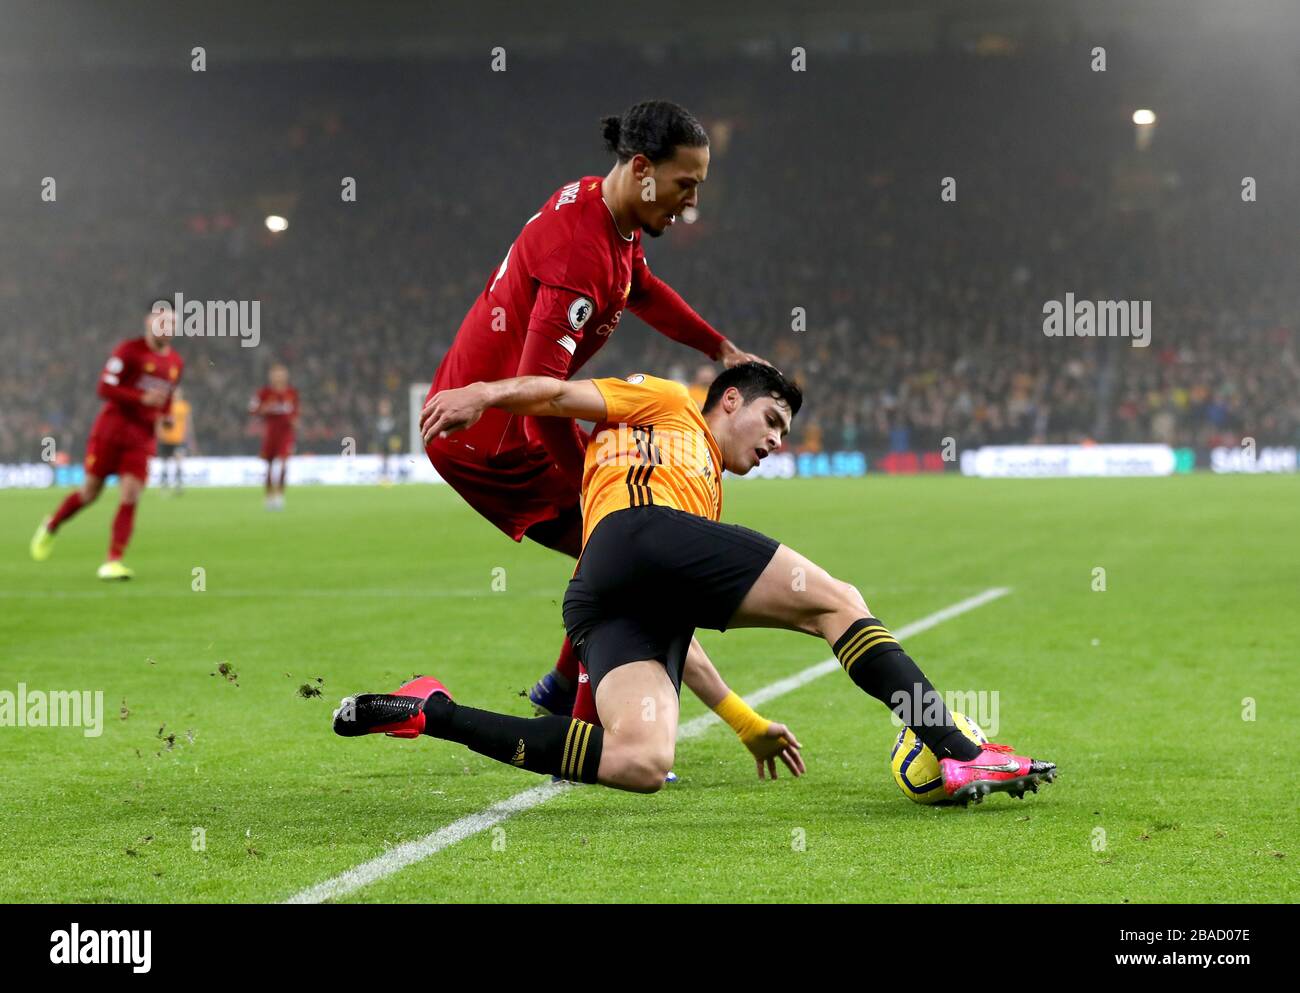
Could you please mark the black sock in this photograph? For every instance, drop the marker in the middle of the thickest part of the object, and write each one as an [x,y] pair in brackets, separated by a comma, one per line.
[560,746]
[875,660]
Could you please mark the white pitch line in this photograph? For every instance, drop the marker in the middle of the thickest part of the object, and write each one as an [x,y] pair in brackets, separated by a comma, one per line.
[400,857]
[411,852]
[700,724]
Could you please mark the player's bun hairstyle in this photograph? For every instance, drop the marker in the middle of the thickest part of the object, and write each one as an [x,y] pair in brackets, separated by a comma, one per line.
[653,128]
[754,380]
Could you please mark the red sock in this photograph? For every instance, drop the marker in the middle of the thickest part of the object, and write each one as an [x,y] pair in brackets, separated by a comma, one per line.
[584,704]
[70,505]
[123,522]
[567,664]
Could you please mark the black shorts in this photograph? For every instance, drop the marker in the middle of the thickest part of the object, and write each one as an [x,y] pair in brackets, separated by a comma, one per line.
[648,577]
[166,451]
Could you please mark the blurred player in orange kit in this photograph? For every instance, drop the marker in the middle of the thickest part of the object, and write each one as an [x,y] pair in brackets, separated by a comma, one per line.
[137,385]
[175,440]
[277,405]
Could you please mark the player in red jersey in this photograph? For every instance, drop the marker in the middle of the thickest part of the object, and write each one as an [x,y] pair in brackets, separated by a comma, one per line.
[556,298]
[277,405]
[137,386]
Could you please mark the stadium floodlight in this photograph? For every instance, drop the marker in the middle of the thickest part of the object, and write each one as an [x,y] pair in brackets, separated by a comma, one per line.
[690,215]
[1144,116]
[276,223]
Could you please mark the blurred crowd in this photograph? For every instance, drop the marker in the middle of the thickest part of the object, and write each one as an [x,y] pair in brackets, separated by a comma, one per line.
[823,241]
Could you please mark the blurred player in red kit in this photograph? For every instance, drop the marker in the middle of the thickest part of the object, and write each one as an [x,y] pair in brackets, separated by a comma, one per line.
[137,386]
[556,298]
[277,405]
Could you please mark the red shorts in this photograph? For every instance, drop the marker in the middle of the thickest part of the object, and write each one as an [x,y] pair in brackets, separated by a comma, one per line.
[277,445]
[109,454]
[514,491]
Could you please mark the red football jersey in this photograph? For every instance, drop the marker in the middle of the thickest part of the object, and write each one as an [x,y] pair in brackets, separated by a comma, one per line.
[277,408]
[567,277]
[133,368]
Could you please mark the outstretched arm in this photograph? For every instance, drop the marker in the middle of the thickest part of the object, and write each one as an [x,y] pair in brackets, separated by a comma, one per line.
[766,740]
[537,396]
[564,440]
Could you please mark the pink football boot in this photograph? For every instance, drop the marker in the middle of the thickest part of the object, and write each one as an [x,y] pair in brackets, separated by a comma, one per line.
[398,715]
[993,770]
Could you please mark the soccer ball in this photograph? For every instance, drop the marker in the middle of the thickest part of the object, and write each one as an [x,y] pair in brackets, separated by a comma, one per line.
[916,770]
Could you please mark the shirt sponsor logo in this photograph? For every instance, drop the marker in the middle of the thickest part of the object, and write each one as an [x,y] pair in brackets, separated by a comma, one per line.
[154,383]
[605,330]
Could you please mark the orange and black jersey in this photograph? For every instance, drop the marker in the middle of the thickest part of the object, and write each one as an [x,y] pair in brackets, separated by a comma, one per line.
[653,449]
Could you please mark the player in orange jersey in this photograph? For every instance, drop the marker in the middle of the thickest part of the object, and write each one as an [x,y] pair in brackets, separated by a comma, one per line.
[657,562]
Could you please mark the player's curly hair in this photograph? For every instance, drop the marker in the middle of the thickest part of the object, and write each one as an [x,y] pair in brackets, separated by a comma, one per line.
[754,380]
[653,128]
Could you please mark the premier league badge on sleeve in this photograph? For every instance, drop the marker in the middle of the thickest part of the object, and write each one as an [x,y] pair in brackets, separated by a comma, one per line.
[579,311]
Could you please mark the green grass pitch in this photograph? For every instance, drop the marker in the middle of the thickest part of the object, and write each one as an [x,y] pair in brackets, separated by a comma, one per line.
[1140,692]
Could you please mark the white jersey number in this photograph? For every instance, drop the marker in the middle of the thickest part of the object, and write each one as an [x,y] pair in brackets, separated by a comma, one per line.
[506,261]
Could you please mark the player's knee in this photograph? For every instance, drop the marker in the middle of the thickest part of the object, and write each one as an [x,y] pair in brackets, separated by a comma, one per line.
[851,600]
[652,769]
[842,604]
[645,768]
